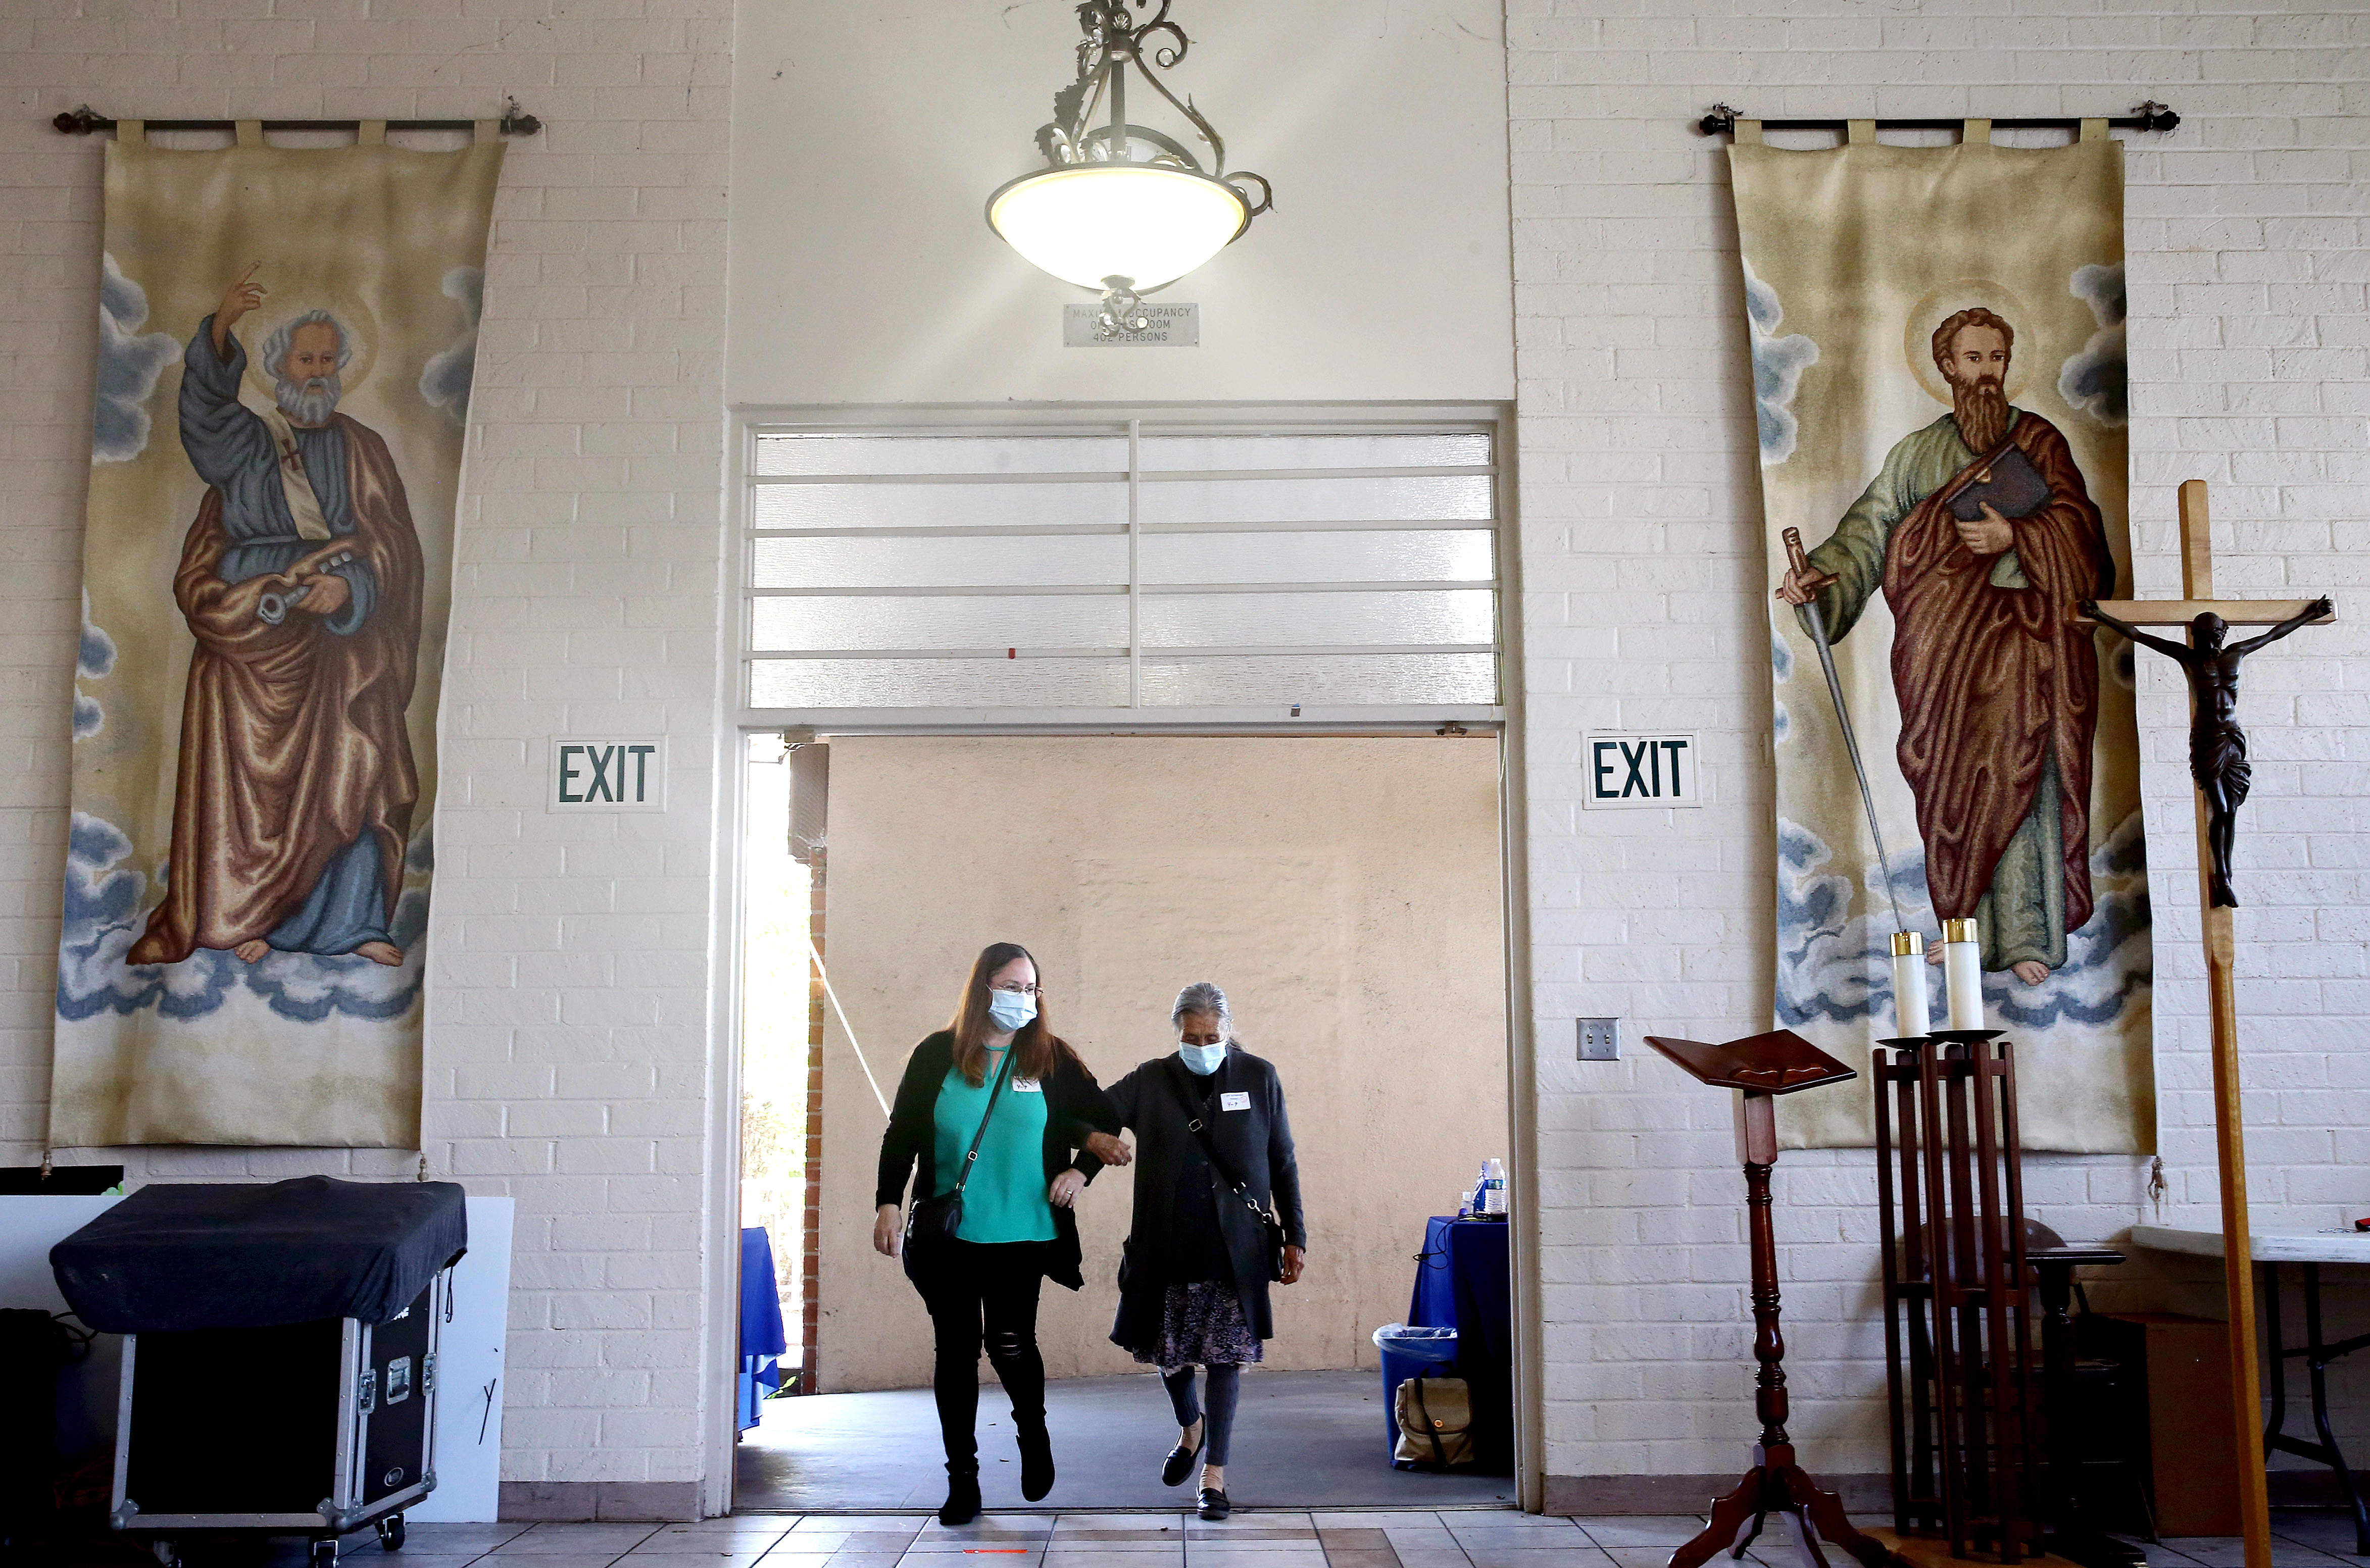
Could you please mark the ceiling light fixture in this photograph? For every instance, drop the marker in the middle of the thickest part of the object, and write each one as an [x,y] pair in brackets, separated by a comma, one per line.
[1123,208]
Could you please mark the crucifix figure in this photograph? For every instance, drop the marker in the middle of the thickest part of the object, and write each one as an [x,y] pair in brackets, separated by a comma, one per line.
[2217,760]
[2217,747]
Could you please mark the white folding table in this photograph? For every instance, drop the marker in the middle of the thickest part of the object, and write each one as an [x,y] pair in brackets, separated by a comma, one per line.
[2311,1249]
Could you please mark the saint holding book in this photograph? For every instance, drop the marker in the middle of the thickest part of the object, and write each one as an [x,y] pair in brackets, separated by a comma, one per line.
[1980,533]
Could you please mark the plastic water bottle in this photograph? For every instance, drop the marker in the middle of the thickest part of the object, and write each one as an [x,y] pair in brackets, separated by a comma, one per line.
[1493,1189]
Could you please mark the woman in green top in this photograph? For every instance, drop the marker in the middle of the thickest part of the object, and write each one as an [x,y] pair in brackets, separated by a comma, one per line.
[1017,1226]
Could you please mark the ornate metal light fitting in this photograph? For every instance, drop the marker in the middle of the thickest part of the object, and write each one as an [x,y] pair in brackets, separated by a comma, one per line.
[1124,207]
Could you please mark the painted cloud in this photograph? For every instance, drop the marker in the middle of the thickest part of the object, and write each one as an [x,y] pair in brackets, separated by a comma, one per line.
[1834,965]
[103,919]
[445,382]
[1778,367]
[2093,381]
[129,363]
[94,661]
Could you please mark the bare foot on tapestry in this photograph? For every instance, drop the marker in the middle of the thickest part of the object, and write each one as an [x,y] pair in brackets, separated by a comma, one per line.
[251,950]
[383,953]
[2031,971]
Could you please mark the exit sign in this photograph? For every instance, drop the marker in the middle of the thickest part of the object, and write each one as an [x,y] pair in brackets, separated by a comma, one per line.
[606,773]
[1633,771]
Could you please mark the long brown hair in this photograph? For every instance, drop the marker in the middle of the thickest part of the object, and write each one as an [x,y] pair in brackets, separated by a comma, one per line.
[1036,1049]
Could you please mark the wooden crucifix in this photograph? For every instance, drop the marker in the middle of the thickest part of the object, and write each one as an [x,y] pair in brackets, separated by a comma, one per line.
[2218,755]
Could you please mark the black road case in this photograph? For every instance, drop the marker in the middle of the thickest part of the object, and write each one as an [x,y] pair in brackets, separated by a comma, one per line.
[232,1414]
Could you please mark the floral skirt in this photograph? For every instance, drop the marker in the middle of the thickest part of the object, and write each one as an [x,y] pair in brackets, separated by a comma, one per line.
[1201,1325]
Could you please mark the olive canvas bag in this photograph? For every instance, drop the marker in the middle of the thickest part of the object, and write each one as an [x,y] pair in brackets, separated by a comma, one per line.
[1435,1419]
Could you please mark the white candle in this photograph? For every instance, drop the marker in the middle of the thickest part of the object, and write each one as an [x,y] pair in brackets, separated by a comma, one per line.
[1912,1015]
[1962,973]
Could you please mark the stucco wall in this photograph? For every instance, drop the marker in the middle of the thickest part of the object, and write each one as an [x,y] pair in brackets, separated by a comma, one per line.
[1345,894]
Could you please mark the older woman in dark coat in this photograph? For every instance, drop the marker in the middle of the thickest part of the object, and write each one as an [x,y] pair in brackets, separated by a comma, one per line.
[1194,1276]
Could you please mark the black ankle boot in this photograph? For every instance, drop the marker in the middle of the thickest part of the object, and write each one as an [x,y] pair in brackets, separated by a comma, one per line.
[962,1497]
[1036,1461]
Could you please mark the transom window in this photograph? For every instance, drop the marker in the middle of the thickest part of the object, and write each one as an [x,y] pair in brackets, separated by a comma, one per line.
[1100,568]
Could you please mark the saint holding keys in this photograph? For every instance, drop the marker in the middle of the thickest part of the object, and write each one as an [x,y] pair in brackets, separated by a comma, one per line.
[300,581]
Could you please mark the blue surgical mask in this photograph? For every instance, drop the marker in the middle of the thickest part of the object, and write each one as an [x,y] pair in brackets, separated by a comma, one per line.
[1203,1060]
[1008,1010]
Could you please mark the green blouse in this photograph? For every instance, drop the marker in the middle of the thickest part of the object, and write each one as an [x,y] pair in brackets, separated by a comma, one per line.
[1006,1200]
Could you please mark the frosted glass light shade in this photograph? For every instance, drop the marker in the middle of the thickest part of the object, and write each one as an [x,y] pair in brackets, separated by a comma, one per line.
[1150,225]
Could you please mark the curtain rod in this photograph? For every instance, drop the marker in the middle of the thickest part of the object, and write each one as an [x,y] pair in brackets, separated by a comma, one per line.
[2149,116]
[84,120]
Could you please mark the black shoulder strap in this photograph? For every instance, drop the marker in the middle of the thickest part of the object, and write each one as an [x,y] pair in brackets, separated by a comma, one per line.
[971,1160]
[1174,1072]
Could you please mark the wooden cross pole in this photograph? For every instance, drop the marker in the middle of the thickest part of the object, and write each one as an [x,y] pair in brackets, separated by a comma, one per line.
[2229,1125]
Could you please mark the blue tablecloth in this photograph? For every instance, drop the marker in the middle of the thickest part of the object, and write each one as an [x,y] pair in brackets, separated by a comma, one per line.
[763,1342]
[1464,1281]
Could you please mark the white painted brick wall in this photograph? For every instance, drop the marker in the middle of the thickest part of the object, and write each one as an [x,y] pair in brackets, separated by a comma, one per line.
[566,1057]
[568,1035]
[2250,341]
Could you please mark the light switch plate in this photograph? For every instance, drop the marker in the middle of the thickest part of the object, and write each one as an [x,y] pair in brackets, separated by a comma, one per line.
[1600,1039]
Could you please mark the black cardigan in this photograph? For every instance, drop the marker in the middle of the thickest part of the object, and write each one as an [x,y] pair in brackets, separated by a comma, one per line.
[1255,1143]
[1075,1106]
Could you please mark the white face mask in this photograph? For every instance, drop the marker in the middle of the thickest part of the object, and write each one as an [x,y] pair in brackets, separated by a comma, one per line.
[1202,1060]
[1008,1010]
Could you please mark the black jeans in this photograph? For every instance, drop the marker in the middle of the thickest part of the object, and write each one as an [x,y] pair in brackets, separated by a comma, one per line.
[985,1293]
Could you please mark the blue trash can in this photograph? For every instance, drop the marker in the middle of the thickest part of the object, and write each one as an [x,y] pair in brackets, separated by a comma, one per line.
[1407,1351]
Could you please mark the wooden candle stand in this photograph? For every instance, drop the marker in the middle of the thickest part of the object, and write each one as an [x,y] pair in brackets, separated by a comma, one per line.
[1765,1066]
[1958,1362]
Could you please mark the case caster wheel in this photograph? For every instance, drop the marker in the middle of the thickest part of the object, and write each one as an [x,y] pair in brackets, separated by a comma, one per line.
[325,1553]
[165,1554]
[390,1533]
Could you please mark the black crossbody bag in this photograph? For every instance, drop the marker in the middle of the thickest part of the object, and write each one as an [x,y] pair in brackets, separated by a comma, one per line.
[933,1223]
[1271,1228]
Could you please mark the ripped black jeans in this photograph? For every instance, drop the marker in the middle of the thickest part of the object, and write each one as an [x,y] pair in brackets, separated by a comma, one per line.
[984,1294]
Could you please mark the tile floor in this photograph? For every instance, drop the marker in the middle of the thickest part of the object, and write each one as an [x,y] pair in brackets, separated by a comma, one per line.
[1448,1539]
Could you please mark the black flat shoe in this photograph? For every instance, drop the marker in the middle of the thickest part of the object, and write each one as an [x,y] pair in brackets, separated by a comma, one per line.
[962,1505]
[1180,1462]
[1036,1463]
[1214,1504]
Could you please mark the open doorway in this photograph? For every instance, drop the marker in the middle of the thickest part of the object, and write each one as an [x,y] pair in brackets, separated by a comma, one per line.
[1346,891]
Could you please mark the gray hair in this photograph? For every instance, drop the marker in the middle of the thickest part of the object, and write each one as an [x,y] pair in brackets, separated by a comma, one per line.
[1201,996]
[275,348]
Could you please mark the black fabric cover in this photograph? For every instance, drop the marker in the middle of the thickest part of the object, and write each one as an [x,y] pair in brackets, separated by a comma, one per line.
[180,1256]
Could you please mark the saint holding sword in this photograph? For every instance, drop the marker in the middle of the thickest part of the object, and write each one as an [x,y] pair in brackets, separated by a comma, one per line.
[1980,533]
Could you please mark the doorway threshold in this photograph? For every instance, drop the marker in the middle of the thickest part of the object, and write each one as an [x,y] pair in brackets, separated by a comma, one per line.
[1301,1441]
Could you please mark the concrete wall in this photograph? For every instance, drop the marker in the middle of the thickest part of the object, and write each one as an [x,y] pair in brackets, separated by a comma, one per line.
[1643,566]
[1361,945]
[568,1051]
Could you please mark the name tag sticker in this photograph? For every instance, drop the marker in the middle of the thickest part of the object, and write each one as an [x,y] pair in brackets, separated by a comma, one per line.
[1233,1102]
[1026,1086]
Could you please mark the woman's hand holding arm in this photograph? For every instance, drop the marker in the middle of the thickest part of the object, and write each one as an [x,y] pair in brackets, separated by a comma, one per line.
[1063,1193]
[887,1235]
[1108,1149]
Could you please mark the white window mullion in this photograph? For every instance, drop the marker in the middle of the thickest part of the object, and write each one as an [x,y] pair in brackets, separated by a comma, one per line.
[1331,563]
[1135,566]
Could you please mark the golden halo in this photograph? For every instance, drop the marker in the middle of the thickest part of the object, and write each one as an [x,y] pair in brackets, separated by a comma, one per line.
[359,320]
[1966,293]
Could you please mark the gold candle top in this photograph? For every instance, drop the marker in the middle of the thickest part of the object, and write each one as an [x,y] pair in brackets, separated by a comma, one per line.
[1908,943]
[1961,931]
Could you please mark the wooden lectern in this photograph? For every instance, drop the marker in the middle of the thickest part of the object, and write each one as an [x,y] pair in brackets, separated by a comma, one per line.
[1765,1066]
